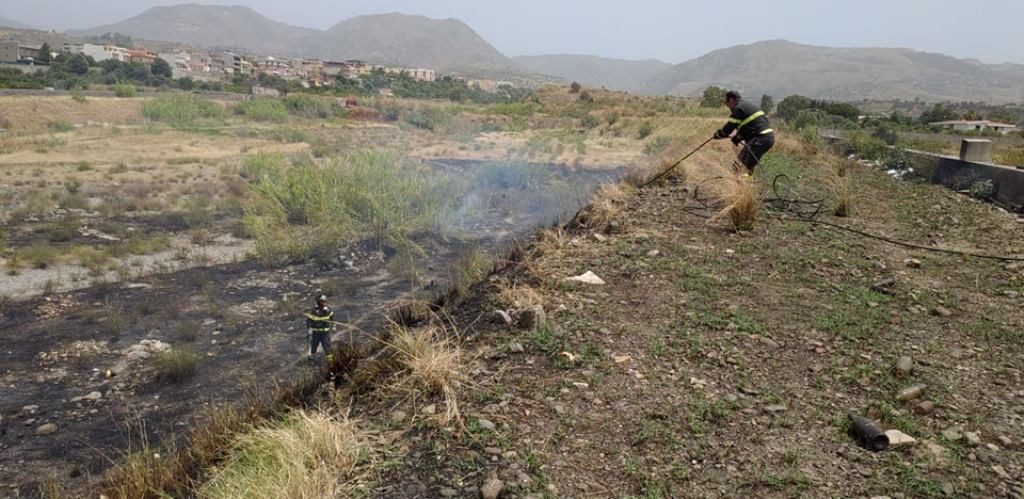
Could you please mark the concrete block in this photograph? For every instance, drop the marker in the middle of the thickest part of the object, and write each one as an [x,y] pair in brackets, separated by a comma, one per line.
[976,150]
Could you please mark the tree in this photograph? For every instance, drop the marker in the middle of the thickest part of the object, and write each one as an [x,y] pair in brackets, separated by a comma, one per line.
[938,112]
[972,115]
[791,106]
[78,64]
[713,97]
[161,68]
[575,88]
[767,103]
[186,83]
[45,54]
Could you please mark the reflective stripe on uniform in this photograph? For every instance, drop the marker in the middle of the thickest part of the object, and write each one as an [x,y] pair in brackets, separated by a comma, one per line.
[767,131]
[750,118]
[318,318]
[734,121]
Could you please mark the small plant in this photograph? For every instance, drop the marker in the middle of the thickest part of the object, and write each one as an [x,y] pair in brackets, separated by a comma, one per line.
[432,364]
[982,189]
[78,96]
[83,166]
[72,185]
[60,126]
[175,365]
[646,129]
[124,90]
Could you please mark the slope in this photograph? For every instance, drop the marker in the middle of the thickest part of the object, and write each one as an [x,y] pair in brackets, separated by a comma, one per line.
[211,26]
[783,68]
[405,40]
[614,74]
[10,23]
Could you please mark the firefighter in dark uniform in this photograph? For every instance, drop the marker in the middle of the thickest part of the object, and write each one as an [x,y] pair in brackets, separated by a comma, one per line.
[752,128]
[319,323]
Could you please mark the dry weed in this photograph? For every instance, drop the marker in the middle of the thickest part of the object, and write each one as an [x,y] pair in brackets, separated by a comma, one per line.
[518,296]
[714,176]
[304,455]
[837,178]
[604,207]
[431,365]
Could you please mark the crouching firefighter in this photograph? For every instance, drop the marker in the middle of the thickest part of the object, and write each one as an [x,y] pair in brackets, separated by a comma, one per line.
[319,323]
[752,129]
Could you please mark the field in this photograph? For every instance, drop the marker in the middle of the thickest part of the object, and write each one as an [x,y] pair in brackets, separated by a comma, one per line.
[145,258]
[156,266]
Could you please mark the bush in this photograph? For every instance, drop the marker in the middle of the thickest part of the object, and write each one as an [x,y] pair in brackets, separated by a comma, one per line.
[428,118]
[180,110]
[646,129]
[60,126]
[72,185]
[124,90]
[175,365]
[263,110]
[309,106]
[303,210]
[982,189]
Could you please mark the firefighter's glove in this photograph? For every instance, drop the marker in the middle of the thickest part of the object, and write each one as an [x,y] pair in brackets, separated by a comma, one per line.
[719,135]
[736,140]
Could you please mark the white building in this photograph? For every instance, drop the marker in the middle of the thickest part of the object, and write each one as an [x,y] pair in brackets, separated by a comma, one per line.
[976,126]
[98,52]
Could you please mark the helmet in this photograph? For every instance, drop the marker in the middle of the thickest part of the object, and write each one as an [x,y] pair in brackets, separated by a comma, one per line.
[321,299]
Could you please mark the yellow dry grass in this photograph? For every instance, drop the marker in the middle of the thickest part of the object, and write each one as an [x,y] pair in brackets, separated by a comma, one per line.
[605,206]
[518,296]
[303,455]
[36,113]
[431,365]
[714,174]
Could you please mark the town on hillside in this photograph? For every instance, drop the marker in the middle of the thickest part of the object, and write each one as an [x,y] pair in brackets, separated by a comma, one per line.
[203,66]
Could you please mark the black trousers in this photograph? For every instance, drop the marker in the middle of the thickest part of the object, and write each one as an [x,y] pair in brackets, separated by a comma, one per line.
[755,149]
[320,338]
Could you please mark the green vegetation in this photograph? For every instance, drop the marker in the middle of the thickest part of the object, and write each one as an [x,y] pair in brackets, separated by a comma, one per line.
[263,110]
[124,90]
[176,365]
[301,210]
[180,110]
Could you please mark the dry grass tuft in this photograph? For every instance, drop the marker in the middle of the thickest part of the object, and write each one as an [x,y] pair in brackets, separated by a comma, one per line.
[551,240]
[516,296]
[431,365]
[714,176]
[304,455]
[604,207]
[838,180]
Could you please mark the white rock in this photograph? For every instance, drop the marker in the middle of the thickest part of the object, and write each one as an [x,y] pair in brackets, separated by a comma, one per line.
[46,429]
[899,439]
[492,488]
[587,278]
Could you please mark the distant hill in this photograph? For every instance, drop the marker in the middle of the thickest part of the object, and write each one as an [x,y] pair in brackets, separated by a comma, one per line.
[404,40]
[615,74]
[212,26]
[10,23]
[781,68]
[387,39]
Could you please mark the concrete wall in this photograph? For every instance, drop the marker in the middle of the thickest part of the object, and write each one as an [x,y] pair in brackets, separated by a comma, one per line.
[1007,182]
[951,171]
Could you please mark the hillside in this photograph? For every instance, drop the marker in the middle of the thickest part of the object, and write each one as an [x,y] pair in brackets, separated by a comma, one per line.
[410,41]
[614,74]
[10,23]
[388,39]
[212,26]
[783,68]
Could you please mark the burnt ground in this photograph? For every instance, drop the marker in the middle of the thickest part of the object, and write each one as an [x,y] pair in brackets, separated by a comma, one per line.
[717,364]
[242,320]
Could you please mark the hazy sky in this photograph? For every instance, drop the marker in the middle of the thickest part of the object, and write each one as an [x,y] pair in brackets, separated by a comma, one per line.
[670,30]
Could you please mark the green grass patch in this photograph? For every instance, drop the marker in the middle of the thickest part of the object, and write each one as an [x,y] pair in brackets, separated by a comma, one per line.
[181,110]
[263,110]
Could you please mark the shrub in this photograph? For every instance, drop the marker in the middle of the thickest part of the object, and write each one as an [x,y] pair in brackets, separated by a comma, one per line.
[982,189]
[263,110]
[428,118]
[60,126]
[180,110]
[72,185]
[433,365]
[646,129]
[304,454]
[83,166]
[124,90]
[309,106]
[297,211]
[175,365]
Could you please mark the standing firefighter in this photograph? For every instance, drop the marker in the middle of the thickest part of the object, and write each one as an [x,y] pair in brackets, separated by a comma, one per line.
[751,127]
[319,323]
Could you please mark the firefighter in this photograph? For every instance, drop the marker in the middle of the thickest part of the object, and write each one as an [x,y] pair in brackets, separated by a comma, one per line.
[319,323]
[752,128]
